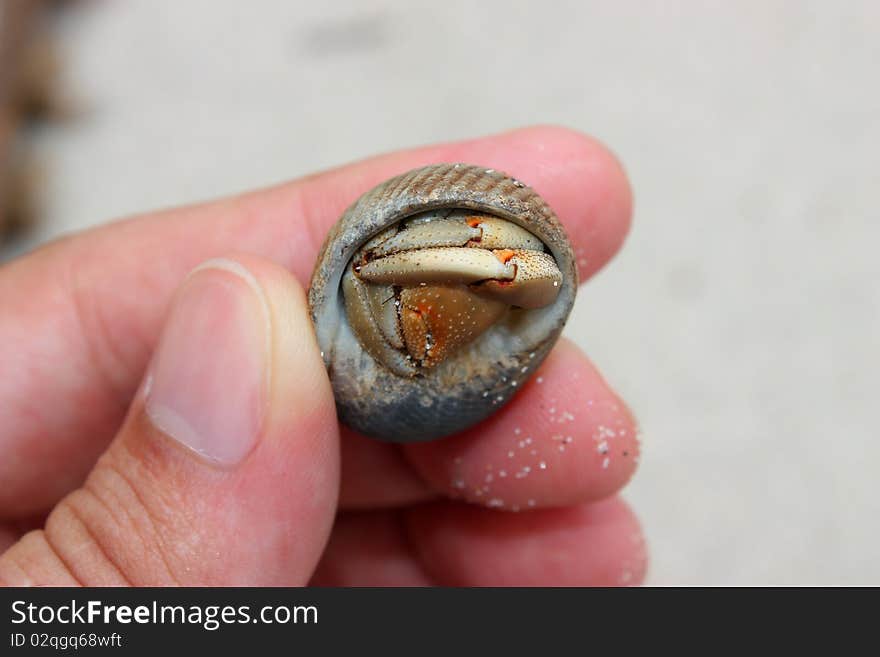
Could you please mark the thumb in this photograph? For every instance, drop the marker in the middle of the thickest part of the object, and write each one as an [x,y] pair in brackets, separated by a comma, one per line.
[226,469]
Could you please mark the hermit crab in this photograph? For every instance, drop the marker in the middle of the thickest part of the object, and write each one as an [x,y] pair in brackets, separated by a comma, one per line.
[435,297]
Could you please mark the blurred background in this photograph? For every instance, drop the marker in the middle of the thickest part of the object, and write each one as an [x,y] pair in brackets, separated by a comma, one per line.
[741,319]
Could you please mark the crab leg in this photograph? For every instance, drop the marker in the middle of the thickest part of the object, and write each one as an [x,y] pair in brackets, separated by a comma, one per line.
[374,335]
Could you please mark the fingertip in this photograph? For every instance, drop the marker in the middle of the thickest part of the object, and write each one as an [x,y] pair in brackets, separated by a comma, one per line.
[566,438]
[599,544]
[581,179]
[588,187]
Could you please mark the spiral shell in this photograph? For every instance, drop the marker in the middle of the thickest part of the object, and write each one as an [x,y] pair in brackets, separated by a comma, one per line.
[396,375]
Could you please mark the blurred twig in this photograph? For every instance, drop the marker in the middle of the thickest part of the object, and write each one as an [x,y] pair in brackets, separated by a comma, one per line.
[29,68]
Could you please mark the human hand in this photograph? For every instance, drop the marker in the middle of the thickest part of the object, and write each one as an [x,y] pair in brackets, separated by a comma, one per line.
[190,437]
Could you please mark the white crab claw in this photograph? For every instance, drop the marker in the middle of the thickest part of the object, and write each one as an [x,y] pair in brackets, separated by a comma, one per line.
[535,284]
[458,228]
[437,265]
[497,233]
[443,231]
[519,277]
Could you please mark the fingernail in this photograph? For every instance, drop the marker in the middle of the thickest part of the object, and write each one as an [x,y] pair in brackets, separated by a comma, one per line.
[208,381]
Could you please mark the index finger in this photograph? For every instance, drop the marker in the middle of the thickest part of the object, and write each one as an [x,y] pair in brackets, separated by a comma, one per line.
[81,316]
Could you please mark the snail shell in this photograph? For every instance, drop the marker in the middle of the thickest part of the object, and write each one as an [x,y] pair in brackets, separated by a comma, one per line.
[392,390]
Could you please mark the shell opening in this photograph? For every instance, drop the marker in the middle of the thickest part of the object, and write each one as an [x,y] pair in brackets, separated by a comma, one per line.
[452,274]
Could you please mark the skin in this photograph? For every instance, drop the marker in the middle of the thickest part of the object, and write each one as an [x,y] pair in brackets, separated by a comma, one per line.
[93,493]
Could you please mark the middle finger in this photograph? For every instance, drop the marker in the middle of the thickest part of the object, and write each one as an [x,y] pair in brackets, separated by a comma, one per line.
[566,438]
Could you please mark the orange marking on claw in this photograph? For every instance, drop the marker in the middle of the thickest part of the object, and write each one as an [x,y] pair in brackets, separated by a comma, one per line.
[504,255]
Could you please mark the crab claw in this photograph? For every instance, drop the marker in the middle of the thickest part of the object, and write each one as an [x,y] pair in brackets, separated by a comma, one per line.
[458,228]
[438,320]
[535,283]
[444,265]
[518,277]
[497,233]
[428,233]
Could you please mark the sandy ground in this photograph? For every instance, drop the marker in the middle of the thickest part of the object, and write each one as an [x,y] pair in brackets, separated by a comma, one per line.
[742,318]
